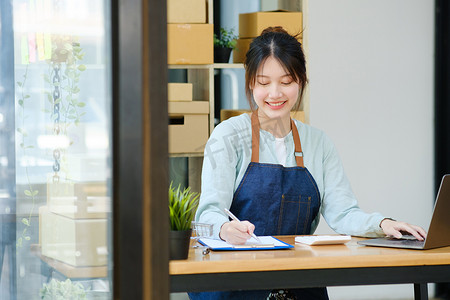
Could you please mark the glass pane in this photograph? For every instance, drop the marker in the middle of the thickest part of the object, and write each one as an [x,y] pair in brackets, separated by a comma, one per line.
[55,168]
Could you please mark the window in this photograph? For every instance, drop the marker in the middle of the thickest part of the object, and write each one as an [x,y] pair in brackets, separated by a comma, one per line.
[55,149]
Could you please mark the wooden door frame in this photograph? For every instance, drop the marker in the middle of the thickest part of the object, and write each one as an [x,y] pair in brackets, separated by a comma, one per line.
[140,149]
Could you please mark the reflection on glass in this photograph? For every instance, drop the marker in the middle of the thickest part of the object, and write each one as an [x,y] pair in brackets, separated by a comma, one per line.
[62,151]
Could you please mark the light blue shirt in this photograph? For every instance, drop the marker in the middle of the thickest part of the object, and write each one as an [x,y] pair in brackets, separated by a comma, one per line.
[228,153]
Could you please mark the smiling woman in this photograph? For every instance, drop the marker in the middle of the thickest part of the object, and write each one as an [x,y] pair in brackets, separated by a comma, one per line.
[267,166]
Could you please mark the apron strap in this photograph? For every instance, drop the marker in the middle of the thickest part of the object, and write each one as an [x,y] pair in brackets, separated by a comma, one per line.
[255,137]
[255,141]
[298,152]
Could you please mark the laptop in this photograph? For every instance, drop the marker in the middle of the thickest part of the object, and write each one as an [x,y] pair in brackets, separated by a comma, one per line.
[438,233]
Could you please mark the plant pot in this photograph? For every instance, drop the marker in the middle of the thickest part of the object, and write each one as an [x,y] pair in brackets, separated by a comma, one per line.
[221,54]
[179,242]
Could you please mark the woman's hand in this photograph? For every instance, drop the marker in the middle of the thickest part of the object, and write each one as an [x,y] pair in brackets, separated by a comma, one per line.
[395,228]
[236,233]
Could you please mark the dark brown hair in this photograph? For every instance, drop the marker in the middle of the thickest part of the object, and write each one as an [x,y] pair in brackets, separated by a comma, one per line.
[275,42]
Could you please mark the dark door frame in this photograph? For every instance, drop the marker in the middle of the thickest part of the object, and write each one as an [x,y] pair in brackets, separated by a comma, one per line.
[442,103]
[140,149]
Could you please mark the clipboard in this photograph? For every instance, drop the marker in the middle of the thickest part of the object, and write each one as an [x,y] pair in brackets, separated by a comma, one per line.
[267,243]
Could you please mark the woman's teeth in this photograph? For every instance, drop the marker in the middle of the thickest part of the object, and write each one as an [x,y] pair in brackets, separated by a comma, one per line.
[276,104]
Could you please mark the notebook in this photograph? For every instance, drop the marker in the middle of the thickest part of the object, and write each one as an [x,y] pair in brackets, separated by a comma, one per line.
[439,230]
[267,243]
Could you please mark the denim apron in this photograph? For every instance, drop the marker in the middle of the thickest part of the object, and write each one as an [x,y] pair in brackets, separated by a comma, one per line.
[278,201]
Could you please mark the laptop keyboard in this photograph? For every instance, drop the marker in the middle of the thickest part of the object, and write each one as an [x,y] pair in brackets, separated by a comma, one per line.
[407,240]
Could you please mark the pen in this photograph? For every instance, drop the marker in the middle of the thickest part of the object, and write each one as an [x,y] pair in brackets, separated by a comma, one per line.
[230,214]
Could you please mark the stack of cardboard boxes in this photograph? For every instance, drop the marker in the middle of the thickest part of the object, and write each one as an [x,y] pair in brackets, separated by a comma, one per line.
[252,24]
[188,127]
[189,38]
[73,224]
[190,42]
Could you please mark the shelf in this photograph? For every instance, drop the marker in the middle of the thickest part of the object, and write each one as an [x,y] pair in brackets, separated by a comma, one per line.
[194,154]
[214,66]
[228,66]
[68,270]
[189,66]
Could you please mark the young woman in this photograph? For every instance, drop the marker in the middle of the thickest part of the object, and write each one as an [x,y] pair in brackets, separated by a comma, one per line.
[277,174]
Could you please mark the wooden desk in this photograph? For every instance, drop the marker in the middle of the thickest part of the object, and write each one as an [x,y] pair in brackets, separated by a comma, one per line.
[306,266]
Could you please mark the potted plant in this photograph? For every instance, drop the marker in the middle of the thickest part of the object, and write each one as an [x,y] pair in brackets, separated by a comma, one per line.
[62,290]
[182,207]
[223,44]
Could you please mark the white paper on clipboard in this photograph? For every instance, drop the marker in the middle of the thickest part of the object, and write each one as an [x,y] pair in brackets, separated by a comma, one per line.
[313,240]
[267,243]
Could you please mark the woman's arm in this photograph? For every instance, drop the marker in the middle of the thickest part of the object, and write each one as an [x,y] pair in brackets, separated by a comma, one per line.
[341,210]
[218,177]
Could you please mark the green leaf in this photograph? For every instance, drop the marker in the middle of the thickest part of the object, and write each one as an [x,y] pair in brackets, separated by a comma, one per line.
[27,238]
[26,96]
[81,68]
[46,78]
[20,102]
[81,104]
[19,242]
[19,83]
[68,46]
[25,221]
[28,193]
[182,207]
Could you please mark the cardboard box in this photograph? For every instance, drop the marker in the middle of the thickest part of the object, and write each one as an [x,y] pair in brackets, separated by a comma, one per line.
[71,207]
[80,243]
[242,46]
[84,167]
[188,127]
[190,44]
[186,11]
[252,24]
[298,115]
[180,91]
[78,200]
[193,107]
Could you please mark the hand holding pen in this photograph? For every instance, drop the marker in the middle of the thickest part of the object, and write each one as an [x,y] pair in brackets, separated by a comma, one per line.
[237,232]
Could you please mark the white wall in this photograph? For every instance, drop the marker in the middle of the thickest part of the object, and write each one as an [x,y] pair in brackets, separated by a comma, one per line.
[371,90]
